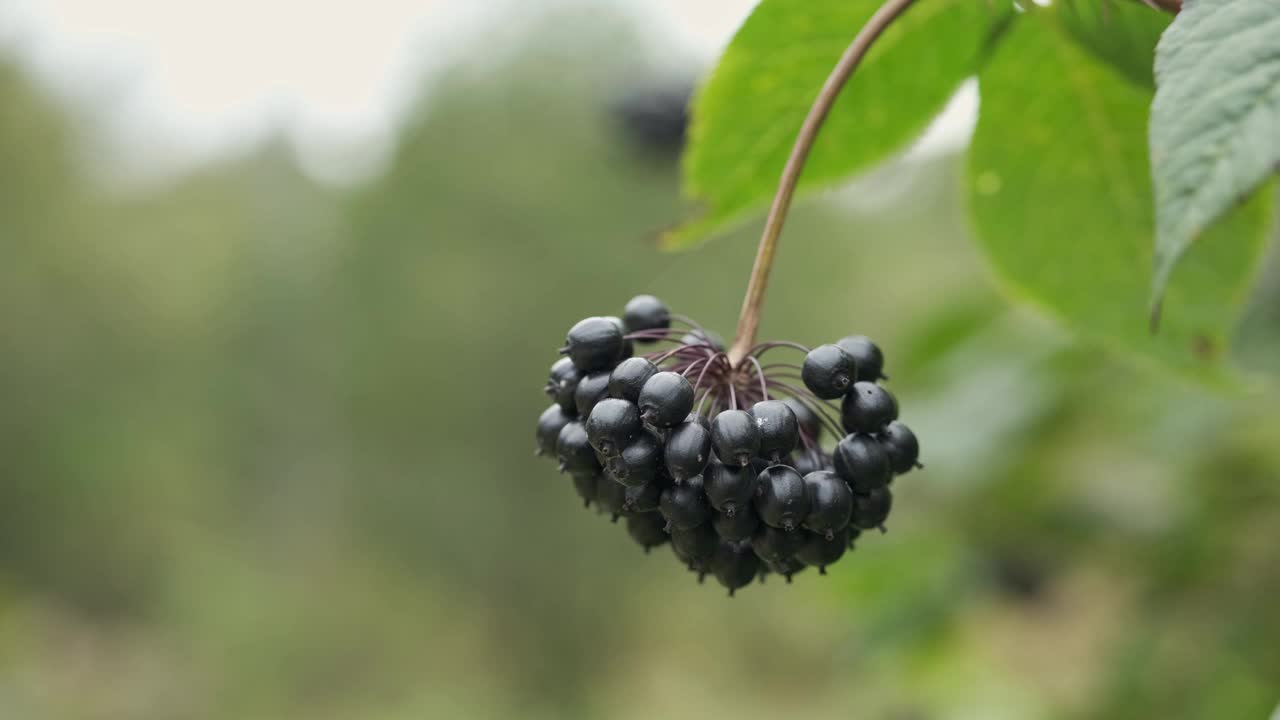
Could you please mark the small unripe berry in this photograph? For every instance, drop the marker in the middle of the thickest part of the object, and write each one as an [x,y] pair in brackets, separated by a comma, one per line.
[562,383]
[729,488]
[594,344]
[868,408]
[666,399]
[862,463]
[830,504]
[828,371]
[646,529]
[646,312]
[901,445]
[628,379]
[688,449]
[550,424]
[735,437]
[782,500]
[867,355]
[685,505]
[779,429]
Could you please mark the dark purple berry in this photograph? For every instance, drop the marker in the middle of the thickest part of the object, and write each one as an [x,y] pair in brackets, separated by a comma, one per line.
[646,529]
[550,424]
[644,498]
[594,344]
[828,371]
[807,419]
[872,509]
[585,486]
[786,568]
[830,504]
[626,380]
[779,429]
[737,527]
[862,463]
[666,399]
[688,449]
[776,546]
[735,565]
[695,545]
[868,357]
[591,389]
[646,312]
[612,425]
[638,463]
[574,451]
[782,498]
[562,384]
[868,408]
[900,445]
[685,505]
[730,489]
[735,437]
[821,550]
[611,497]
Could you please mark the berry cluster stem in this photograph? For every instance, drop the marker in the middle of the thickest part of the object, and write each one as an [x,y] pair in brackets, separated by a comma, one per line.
[749,319]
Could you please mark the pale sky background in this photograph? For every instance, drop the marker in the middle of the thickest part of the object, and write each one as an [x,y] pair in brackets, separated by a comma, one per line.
[172,83]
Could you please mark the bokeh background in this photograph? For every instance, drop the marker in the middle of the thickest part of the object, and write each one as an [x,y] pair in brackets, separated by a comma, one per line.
[266,413]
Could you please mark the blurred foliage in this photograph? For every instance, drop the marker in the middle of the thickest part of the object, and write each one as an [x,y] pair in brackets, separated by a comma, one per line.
[267,448]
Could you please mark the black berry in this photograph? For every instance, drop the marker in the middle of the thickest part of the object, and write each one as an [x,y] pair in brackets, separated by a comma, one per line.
[594,344]
[776,546]
[574,451]
[735,565]
[867,355]
[786,568]
[688,449]
[550,423]
[900,444]
[862,463]
[646,313]
[643,498]
[639,462]
[782,500]
[830,504]
[735,437]
[591,389]
[666,399]
[646,529]
[585,485]
[737,527]
[562,384]
[685,505]
[612,425]
[868,408]
[695,545]
[828,371]
[626,380]
[806,418]
[821,550]
[779,429]
[872,509]
[729,488]
[611,497]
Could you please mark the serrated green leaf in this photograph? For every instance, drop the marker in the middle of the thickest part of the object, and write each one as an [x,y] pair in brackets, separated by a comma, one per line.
[1121,33]
[1061,198]
[746,116]
[1215,121]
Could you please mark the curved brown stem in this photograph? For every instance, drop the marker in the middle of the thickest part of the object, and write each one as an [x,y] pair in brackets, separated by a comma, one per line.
[749,319]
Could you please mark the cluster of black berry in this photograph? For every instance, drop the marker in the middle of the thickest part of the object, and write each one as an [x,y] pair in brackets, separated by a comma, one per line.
[725,459]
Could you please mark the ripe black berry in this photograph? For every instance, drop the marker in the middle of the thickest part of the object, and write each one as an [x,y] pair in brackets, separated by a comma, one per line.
[735,437]
[828,371]
[806,418]
[737,527]
[786,568]
[666,399]
[594,344]
[639,462]
[779,429]
[900,445]
[821,551]
[612,425]
[646,312]
[626,380]
[782,498]
[551,422]
[562,384]
[611,497]
[776,546]
[591,389]
[735,565]
[628,348]
[807,461]
[574,451]
[867,355]
[685,505]
[872,509]
[643,498]
[695,545]
[729,488]
[585,486]
[867,408]
[862,463]
[688,448]
[830,503]
[646,529]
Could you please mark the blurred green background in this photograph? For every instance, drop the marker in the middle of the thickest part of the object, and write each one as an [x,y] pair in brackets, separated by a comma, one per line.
[266,445]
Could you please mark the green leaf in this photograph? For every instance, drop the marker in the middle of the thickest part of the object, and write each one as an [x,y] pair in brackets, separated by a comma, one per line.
[1061,198]
[1215,121]
[746,116]
[1121,33]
